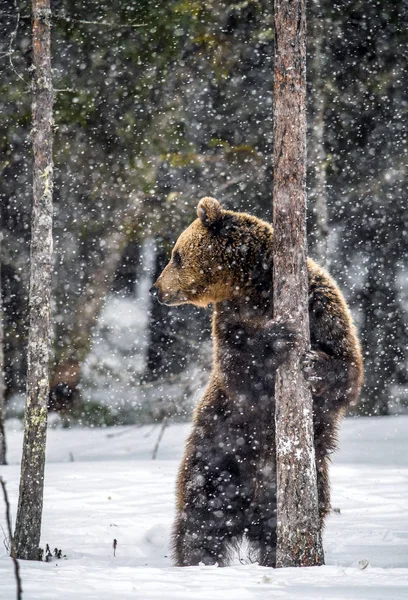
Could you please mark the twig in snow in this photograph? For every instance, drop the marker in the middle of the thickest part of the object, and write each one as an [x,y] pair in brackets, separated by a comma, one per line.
[159,439]
[5,540]
[149,433]
[12,548]
[115,543]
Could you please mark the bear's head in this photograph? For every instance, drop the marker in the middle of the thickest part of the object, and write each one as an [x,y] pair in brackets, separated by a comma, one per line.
[215,258]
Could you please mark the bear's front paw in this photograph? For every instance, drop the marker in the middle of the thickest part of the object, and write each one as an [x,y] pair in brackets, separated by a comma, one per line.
[282,338]
[313,366]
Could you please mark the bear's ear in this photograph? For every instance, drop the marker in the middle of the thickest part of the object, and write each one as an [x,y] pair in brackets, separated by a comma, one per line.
[209,211]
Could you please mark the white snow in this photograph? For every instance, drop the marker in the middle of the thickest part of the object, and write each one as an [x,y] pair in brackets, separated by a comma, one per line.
[101,484]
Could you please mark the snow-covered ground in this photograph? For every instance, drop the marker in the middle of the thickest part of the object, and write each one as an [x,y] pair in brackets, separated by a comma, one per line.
[101,484]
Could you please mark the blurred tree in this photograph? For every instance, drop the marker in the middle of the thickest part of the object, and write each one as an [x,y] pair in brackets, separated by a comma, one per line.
[318,222]
[64,390]
[384,332]
[180,108]
[15,195]
[111,68]
[366,137]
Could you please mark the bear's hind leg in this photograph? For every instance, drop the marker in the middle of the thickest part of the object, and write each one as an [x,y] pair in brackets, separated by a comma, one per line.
[212,501]
[267,552]
[261,528]
[197,539]
[263,543]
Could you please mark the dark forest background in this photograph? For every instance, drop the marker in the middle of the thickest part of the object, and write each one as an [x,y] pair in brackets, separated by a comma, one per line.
[160,103]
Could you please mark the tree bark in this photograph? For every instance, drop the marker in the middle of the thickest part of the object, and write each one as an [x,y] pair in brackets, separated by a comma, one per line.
[30,504]
[3,446]
[298,524]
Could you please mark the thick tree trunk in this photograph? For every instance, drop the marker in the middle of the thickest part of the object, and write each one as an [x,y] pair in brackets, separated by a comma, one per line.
[30,504]
[298,524]
[3,447]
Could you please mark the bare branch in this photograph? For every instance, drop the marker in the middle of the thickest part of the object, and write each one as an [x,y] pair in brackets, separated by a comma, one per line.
[12,548]
[64,17]
[13,37]
[159,439]
[68,19]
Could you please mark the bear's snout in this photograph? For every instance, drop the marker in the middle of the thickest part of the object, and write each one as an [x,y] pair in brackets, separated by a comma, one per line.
[166,295]
[157,292]
[154,291]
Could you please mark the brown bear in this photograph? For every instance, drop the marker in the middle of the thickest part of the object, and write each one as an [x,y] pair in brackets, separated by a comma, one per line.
[226,482]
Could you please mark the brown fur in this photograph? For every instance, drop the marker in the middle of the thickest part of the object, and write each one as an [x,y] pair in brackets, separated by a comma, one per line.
[226,481]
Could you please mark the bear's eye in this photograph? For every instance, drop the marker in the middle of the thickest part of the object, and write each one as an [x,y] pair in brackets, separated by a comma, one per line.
[177,259]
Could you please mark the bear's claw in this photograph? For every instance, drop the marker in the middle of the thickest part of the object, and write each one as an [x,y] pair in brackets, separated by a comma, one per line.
[312,363]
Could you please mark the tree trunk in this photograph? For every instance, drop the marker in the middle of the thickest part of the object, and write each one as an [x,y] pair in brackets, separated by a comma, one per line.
[3,447]
[298,524]
[317,152]
[30,503]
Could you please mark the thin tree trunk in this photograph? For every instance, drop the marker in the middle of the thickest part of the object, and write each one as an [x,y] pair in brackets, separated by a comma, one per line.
[298,524]
[30,503]
[3,447]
